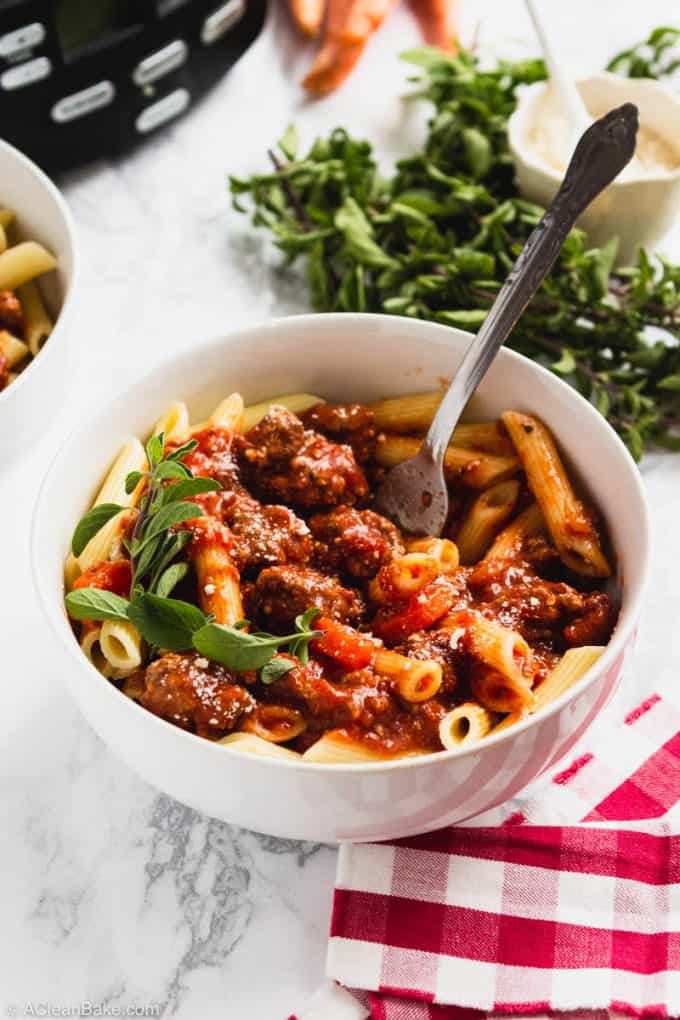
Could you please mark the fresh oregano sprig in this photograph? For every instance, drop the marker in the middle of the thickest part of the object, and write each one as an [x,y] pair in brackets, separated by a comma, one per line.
[177,626]
[437,237]
[154,545]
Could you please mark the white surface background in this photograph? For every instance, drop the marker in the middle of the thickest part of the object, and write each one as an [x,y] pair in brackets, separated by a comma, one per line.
[109,891]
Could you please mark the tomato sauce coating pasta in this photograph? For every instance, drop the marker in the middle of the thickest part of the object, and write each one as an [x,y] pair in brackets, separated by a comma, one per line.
[406,634]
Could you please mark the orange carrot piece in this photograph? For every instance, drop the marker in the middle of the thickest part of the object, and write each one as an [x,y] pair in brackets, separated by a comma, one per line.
[349,26]
[308,15]
[439,22]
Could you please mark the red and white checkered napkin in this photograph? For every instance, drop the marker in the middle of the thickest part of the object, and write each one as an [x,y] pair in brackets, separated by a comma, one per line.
[531,914]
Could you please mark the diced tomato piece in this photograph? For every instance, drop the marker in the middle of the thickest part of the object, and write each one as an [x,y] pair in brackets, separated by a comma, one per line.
[109,575]
[418,613]
[343,644]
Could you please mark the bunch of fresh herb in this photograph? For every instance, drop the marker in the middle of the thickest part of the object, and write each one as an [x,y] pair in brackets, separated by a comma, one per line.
[437,238]
[154,547]
[657,57]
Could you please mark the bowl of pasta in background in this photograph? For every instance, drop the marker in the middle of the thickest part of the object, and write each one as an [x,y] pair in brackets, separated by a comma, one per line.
[346,357]
[37,277]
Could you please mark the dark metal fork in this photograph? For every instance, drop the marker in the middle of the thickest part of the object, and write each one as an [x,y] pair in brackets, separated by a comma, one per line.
[414,493]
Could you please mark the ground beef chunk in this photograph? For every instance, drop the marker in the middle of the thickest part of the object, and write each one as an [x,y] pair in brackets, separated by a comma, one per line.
[11,316]
[547,613]
[360,697]
[283,592]
[595,625]
[353,424]
[214,458]
[262,535]
[436,645]
[356,542]
[194,693]
[287,463]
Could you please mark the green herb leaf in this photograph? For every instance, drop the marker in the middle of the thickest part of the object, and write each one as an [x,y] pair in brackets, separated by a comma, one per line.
[288,142]
[168,517]
[154,449]
[170,578]
[183,450]
[171,469]
[132,480]
[165,623]
[234,648]
[92,522]
[275,669]
[96,604]
[188,488]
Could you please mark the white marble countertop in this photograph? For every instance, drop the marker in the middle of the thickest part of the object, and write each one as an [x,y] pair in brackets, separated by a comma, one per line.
[110,891]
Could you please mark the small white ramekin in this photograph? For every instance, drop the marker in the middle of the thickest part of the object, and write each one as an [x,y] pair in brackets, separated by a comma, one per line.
[29,403]
[639,211]
[340,357]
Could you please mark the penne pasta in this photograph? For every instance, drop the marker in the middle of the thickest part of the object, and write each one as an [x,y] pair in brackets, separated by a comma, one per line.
[131,457]
[228,414]
[173,423]
[23,262]
[91,647]
[295,402]
[573,665]
[335,748]
[484,520]
[512,538]
[37,320]
[464,725]
[570,526]
[12,348]
[416,679]
[3,238]
[415,413]
[248,743]
[443,549]
[275,723]
[404,576]
[121,646]
[219,589]
[319,679]
[499,693]
[503,650]
[473,468]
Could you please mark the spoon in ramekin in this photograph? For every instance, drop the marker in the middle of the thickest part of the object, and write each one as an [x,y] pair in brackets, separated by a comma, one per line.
[414,494]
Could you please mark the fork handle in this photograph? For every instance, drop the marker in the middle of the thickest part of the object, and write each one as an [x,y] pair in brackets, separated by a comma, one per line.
[602,152]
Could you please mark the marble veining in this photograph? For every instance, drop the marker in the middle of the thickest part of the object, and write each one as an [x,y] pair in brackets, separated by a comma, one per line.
[109,891]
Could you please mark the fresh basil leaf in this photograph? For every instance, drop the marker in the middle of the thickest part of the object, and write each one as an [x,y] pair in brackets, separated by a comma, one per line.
[96,604]
[168,517]
[154,449]
[275,669]
[132,480]
[190,487]
[166,623]
[170,578]
[92,522]
[182,450]
[235,649]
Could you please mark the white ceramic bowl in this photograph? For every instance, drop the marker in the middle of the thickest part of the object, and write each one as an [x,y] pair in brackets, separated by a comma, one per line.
[340,357]
[29,403]
[637,211]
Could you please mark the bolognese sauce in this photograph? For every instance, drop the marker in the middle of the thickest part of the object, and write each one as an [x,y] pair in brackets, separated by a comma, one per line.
[295,514]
